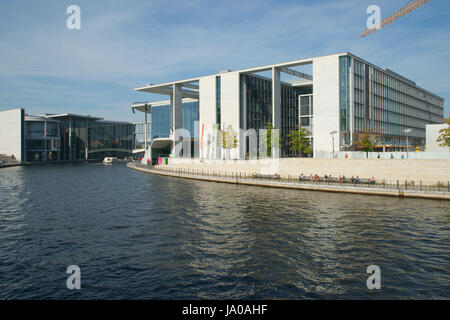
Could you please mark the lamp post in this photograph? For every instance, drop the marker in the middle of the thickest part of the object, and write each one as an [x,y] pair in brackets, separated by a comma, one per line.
[406,131]
[332,133]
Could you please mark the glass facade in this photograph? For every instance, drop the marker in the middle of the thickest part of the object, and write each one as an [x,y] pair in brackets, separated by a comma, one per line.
[80,139]
[139,134]
[190,116]
[289,116]
[110,139]
[52,129]
[361,113]
[42,142]
[383,105]
[257,98]
[258,102]
[396,105]
[35,129]
[218,100]
[65,141]
[88,138]
[344,99]
[71,137]
[161,119]
[74,137]
[306,109]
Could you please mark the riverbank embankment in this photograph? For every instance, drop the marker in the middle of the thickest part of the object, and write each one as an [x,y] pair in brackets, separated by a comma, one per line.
[439,192]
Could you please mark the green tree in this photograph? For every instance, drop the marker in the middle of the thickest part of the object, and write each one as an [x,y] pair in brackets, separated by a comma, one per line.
[298,141]
[444,137]
[268,139]
[228,139]
[365,143]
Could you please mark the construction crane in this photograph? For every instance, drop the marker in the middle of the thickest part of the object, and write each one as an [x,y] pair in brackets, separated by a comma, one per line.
[397,15]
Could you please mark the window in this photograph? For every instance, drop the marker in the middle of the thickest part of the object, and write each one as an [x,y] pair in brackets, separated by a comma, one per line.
[218,100]
[35,129]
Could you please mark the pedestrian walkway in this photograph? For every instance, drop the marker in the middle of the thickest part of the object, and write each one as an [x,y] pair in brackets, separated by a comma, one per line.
[399,190]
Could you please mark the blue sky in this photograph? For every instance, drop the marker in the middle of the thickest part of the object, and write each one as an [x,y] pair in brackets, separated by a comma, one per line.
[123,44]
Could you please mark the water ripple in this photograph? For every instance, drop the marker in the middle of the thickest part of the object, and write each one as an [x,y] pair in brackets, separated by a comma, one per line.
[137,236]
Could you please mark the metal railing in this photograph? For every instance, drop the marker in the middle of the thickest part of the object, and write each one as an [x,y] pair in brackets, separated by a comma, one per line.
[401,185]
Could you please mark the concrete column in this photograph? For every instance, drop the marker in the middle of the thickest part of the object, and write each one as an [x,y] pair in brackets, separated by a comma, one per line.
[145,128]
[177,107]
[276,98]
[177,111]
[276,108]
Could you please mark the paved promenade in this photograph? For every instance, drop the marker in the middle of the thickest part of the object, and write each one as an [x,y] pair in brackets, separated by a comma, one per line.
[438,192]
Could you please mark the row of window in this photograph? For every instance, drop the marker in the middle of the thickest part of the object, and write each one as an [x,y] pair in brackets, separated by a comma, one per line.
[381,127]
[344,93]
[139,128]
[42,144]
[401,97]
[403,87]
[383,104]
[161,119]
[35,129]
[257,93]
[400,108]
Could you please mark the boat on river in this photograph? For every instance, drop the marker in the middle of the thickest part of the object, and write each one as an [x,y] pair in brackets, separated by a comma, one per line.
[110,160]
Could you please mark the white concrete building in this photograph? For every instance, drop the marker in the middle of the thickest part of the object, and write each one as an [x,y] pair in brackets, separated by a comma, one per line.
[338,98]
[12,133]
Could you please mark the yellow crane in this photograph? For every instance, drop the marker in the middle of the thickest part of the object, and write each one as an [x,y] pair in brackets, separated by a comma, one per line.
[397,15]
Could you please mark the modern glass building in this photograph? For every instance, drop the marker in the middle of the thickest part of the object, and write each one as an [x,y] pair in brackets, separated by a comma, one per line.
[383,104]
[66,137]
[160,123]
[110,139]
[161,119]
[42,139]
[74,135]
[257,107]
[340,99]
[139,134]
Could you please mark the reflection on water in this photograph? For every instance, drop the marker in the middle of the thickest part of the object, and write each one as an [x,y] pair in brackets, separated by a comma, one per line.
[138,236]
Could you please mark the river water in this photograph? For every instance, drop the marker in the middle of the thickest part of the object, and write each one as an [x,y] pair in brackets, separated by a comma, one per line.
[140,236]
